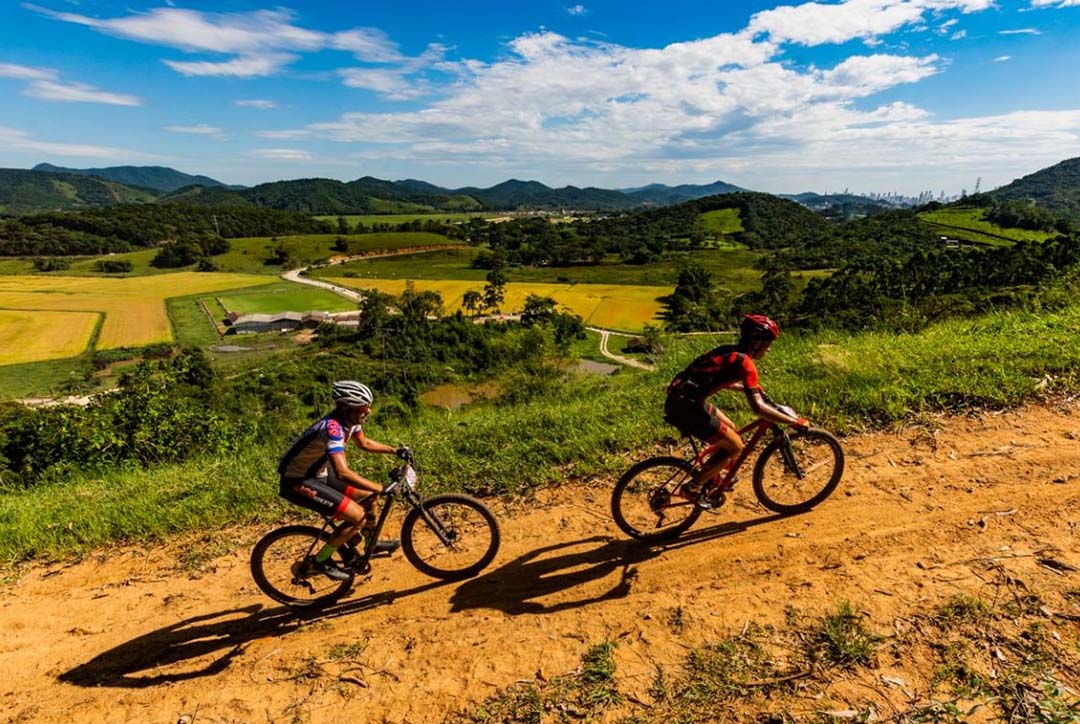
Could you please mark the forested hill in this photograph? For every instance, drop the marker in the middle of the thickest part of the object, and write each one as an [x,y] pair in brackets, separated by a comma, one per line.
[1056,188]
[159,178]
[127,227]
[24,192]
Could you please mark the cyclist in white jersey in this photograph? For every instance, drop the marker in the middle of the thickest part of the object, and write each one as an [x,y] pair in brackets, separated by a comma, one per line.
[315,473]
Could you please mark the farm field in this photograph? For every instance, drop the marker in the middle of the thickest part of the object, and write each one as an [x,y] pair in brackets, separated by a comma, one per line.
[969,225]
[134,308]
[735,269]
[368,220]
[614,306]
[284,297]
[36,336]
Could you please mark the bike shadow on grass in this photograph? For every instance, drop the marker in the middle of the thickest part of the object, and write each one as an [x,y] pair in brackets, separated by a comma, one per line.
[206,645]
[518,586]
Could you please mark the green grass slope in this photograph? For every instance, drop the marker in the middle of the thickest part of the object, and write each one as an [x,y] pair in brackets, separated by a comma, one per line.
[586,426]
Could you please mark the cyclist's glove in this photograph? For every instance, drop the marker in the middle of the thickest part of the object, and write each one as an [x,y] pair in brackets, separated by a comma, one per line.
[404,452]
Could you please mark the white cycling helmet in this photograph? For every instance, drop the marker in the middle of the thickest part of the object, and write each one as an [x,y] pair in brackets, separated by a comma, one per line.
[352,393]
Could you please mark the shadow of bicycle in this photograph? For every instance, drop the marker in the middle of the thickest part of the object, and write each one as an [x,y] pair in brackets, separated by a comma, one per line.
[519,586]
[159,657]
[206,645]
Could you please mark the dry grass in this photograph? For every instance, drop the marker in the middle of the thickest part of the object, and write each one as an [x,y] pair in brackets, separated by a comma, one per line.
[134,308]
[35,336]
[613,306]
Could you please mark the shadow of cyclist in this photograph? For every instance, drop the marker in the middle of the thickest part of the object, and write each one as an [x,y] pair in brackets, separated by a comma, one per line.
[137,663]
[516,586]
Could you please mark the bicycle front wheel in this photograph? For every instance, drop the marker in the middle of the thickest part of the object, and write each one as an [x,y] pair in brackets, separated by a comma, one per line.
[450,536]
[645,502]
[281,566]
[798,470]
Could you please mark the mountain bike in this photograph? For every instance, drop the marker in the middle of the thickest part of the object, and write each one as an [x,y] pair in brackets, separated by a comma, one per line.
[451,536]
[797,470]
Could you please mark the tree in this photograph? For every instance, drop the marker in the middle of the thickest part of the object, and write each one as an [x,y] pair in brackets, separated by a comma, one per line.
[342,225]
[495,290]
[472,301]
[341,244]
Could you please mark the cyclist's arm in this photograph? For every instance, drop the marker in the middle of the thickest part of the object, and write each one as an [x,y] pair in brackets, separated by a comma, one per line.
[350,477]
[760,403]
[767,410]
[368,445]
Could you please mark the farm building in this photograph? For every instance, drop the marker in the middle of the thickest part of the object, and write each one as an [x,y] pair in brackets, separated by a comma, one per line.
[287,321]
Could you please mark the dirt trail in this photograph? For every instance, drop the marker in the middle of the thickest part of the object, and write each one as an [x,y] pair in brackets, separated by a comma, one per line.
[131,636]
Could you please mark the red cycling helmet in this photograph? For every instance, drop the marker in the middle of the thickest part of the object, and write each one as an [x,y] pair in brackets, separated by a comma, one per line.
[758,327]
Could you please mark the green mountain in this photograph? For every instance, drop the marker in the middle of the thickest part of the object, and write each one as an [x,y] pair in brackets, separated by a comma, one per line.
[159,178]
[24,192]
[1056,188]
[663,195]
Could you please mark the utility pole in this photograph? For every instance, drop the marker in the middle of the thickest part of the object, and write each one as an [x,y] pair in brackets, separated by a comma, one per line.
[216,227]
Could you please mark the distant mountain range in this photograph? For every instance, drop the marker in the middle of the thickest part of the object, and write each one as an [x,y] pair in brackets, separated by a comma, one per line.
[48,188]
[159,178]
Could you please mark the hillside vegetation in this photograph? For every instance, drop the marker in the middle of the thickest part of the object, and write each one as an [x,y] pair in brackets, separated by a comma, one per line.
[1056,189]
[23,192]
[574,426]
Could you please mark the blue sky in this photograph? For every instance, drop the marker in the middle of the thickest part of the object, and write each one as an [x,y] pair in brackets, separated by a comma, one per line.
[871,95]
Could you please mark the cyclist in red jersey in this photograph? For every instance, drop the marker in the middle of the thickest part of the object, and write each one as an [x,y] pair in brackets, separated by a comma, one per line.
[728,367]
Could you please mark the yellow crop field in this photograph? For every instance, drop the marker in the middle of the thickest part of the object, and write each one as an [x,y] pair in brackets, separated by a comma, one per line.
[613,306]
[134,308]
[34,336]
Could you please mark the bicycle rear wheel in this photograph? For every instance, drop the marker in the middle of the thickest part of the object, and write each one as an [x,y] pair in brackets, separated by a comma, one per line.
[450,536]
[281,566]
[798,470]
[644,504]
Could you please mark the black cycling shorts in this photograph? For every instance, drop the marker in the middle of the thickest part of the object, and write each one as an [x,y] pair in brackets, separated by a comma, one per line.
[318,494]
[693,418]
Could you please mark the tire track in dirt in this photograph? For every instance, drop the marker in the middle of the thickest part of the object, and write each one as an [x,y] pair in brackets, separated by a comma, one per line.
[129,635]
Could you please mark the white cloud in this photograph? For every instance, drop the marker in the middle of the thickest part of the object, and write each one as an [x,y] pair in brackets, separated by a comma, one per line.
[1002,58]
[25,72]
[282,135]
[45,84]
[367,44]
[281,154]
[261,104]
[260,43]
[49,90]
[1055,3]
[200,129]
[576,10]
[13,139]
[1021,31]
[958,35]
[818,23]
[245,66]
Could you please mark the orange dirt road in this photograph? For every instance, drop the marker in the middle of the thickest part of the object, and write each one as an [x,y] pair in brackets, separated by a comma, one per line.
[131,635]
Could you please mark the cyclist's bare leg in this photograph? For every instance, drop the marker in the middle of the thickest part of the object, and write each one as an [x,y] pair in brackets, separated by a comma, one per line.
[731,444]
[354,515]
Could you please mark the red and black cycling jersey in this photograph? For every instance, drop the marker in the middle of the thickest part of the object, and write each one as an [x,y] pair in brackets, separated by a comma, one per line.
[716,369]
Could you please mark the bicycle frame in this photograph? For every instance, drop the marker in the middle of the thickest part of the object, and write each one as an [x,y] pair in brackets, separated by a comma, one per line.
[727,481]
[401,487]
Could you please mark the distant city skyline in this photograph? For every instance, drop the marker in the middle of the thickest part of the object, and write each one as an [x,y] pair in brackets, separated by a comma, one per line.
[908,95]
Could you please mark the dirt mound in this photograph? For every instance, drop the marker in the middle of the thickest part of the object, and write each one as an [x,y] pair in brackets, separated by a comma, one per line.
[159,635]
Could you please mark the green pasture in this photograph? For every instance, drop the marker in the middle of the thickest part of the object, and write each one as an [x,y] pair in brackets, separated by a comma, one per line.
[283,297]
[368,220]
[721,222]
[968,224]
[735,269]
